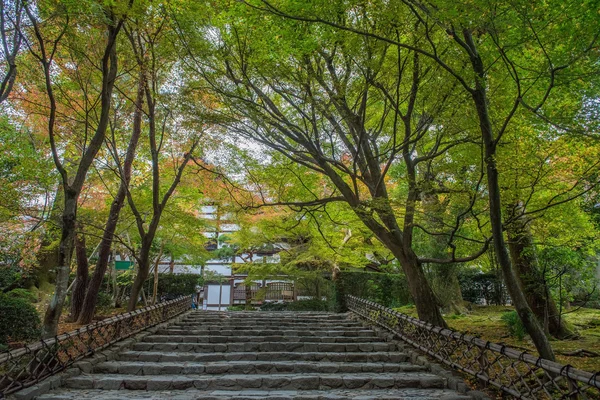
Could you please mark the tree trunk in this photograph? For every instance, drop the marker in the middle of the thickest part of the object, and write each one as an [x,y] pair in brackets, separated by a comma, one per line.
[525,261]
[142,273]
[136,288]
[91,297]
[81,280]
[446,286]
[390,234]
[47,255]
[444,277]
[425,300]
[155,283]
[400,244]
[72,187]
[530,322]
[65,253]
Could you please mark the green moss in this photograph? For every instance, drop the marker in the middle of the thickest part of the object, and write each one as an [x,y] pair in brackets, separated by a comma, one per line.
[487,322]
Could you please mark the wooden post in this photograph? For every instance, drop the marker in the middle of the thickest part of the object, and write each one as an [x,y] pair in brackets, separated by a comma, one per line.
[220,292]
[295,295]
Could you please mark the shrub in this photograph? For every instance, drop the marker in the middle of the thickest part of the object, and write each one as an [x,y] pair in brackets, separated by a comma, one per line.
[310,305]
[104,300]
[479,287]
[300,305]
[19,319]
[10,276]
[240,307]
[514,324]
[175,285]
[274,307]
[390,290]
[23,294]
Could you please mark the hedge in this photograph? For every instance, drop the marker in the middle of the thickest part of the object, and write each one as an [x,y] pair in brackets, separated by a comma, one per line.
[299,305]
[478,287]
[19,320]
[174,285]
[390,290]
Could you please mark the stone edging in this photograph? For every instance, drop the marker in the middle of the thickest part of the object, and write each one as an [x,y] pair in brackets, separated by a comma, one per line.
[453,379]
[87,364]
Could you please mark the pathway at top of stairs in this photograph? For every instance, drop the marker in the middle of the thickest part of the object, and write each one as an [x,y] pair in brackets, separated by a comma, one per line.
[259,355]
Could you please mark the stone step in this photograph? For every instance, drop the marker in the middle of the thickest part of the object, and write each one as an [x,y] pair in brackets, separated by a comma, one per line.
[264,332]
[191,394]
[257,381]
[265,318]
[269,323]
[348,357]
[265,314]
[259,356]
[249,367]
[258,339]
[266,347]
[252,328]
[284,312]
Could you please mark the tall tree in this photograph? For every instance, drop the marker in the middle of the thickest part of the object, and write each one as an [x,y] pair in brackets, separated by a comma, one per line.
[11,16]
[344,114]
[88,306]
[44,50]
[155,40]
[474,44]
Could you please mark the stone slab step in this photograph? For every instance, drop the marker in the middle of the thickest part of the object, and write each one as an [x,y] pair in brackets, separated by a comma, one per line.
[269,323]
[254,312]
[256,327]
[264,332]
[265,314]
[257,339]
[415,380]
[266,347]
[161,356]
[397,394]
[249,367]
[327,320]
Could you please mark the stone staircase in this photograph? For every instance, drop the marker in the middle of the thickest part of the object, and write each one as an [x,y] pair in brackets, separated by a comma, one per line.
[259,355]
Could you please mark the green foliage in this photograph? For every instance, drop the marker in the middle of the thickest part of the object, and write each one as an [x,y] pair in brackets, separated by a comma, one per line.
[310,305]
[24,294]
[476,286]
[514,324]
[240,307]
[300,305]
[9,277]
[126,278]
[224,253]
[570,272]
[19,320]
[173,285]
[25,171]
[104,301]
[274,306]
[390,290]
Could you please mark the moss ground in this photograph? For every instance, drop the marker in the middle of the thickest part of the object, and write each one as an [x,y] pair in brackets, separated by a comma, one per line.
[486,322]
